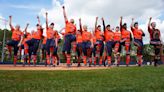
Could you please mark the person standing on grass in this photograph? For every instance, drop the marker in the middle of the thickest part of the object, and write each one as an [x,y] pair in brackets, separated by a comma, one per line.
[69,37]
[108,34]
[79,41]
[86,44]
[117,46]
[16,37]
[23,45]
[99,40]
[126,40]
[55,53]
[36,37]
[138,35]
[155,40]
[52,42]
[43,47]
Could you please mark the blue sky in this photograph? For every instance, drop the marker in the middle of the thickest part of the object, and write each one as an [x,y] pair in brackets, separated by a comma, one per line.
[24,10]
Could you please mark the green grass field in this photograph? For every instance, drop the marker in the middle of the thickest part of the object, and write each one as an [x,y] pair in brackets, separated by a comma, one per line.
[122,79]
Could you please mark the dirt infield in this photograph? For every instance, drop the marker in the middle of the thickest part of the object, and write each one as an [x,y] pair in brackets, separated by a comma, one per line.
[42,67]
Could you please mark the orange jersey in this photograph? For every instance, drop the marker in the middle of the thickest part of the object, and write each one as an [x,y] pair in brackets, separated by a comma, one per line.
[44,40]
[16,35]
[37,34]
[28,37]
[126,34]
[57,35]
[108,35]
[117,36]
[99,35]
[86,36]
[50,33]
[137,33]
[94,39]
[70,28]
[79,38]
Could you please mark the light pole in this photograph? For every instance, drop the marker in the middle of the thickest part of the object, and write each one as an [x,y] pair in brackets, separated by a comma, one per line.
[4,37]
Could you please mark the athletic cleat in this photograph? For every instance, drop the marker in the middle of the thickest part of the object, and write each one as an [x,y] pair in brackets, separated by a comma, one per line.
[57,62]
[78,65]
[53,65]
[68,65]
[109,65]
[127,65]
[139,65]
[23,65]
[89,65]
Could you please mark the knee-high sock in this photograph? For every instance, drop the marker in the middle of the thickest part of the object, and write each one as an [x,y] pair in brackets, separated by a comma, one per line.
[139,59]
[53,60]
[100,62]
[68,59]
[15,59]
[10,49]
[84,60]
[95,59]
[118,59]
[127,59]
[34,59]
[109,60]
[48,59]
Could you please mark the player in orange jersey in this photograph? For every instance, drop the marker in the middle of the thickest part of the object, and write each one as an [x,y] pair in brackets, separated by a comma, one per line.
[117,46]
[108,34]
[126,40]
[138,34]
[86,44]
[99,40]
[51,43]
[16,37]
[69,37]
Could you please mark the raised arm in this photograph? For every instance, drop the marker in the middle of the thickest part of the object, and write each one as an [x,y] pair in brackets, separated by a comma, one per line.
[64,13]
[38,20]
[46,20]
[10,23]
[25,30]
[80,24]
[143,34]
[132,24]
[96,23]
[149,24]
[103,24]
[120,22]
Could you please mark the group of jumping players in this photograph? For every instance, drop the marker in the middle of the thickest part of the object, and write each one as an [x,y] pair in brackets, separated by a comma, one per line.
[90,47]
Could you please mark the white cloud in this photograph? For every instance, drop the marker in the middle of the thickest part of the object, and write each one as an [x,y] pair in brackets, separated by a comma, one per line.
[111,10]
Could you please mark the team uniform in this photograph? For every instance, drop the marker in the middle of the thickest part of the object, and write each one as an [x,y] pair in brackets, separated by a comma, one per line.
[117,46]
[50,44]
[108,34]
[16,37]
[43,47]
[34,44]
[94,49]
[126,39]
[100,42]
[138,33]
[27,37]
[156,42]
[69,37]
[86,47]
[79,41]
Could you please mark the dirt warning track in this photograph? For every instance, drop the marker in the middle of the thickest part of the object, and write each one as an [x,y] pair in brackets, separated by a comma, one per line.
[42,67]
